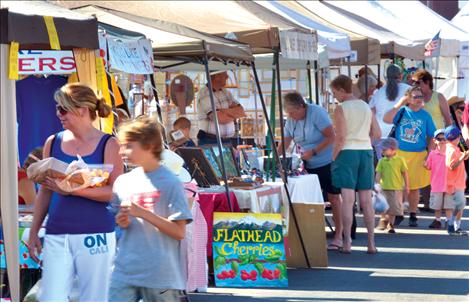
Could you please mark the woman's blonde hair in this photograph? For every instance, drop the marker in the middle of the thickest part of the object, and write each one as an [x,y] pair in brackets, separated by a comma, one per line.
[76,95]
[143,130]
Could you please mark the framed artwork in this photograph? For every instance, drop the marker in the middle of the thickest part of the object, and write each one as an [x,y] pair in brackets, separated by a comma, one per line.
[228,157]
[199,166]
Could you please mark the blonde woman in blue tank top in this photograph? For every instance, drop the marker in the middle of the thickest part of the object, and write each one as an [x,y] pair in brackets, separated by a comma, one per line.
[79,240]
[352,169]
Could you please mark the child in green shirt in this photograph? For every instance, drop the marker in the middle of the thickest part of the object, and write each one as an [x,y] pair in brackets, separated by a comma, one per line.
[391,174]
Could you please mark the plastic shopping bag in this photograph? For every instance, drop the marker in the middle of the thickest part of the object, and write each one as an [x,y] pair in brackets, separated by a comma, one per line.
[81,175]
[380,203]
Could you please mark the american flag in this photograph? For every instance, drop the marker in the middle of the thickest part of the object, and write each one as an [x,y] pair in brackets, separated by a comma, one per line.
[432,48]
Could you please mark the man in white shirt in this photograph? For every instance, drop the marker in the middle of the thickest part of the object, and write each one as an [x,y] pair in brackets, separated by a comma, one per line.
[227,111]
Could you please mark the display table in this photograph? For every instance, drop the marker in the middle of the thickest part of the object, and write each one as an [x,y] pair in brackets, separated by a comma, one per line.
[302,189]
[215,202]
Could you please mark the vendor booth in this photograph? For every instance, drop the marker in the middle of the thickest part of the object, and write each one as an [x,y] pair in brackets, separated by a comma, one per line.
[65,30]
[197,48]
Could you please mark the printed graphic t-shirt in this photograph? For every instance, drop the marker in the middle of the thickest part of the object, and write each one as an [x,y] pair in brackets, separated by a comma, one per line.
[413,130]
[146,257]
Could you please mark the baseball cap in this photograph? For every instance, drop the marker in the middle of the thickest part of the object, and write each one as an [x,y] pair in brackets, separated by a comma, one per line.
[214,72]
[452,132]
[438,132]
[389,143]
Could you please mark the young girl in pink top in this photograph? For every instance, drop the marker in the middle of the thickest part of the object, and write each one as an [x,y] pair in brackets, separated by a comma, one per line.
[439,200]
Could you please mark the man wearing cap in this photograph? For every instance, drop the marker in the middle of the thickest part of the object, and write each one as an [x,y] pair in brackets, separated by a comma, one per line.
[227,111]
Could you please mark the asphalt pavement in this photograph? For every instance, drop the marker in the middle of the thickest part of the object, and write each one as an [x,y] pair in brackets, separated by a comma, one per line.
[415,264]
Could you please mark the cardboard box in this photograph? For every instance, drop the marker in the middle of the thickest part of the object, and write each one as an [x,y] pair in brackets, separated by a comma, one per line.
[312,225]
[47,167]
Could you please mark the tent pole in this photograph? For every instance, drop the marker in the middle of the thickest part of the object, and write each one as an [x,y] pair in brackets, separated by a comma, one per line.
[270,163]
[217,129]
[9,172]
[283,174]
[280,110]
[379,73]
[158,107]
[366,83]
[436,72]
[310,90]
[316,80]
[349,67]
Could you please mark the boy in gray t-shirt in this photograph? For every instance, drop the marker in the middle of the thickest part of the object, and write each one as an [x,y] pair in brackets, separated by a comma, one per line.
[153,215]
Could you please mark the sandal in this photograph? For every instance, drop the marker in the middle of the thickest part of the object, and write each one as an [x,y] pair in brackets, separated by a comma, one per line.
[344,251]
[334,247]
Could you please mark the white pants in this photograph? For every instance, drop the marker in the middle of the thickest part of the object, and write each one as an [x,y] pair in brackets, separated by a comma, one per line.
[86,256]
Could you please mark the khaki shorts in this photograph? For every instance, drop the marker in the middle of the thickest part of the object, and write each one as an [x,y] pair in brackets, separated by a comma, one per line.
[441,201]
[394,199]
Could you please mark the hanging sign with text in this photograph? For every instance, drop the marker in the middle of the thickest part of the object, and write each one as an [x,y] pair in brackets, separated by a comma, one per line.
[46,62]
[248,250]
[298,45]
[134,57]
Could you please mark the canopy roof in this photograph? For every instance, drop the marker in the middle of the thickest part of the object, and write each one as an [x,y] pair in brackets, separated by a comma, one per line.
[23,22]
[403,22]
[256,27]
[461,20]
[172,41]
[391,43]
[337,43]
[368,49]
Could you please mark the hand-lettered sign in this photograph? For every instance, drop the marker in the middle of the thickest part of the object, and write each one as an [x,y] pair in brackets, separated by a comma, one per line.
[248,250]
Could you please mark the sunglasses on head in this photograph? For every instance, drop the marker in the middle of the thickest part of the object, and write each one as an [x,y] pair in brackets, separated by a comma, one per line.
[61,110]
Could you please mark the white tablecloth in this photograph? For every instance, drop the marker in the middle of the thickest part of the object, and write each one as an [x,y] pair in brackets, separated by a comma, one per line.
[303,189]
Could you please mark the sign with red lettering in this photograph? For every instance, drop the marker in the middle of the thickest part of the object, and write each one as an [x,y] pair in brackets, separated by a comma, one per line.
[46,62]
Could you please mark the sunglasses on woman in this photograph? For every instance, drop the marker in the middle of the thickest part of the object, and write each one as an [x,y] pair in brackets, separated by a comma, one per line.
[440,138]
[61,110]
[460,108]
[416,83]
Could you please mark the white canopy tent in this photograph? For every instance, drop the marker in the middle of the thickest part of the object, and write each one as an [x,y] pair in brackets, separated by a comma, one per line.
[391,15]
[391,43]
[214,17]
[172,40]
[336,43]
[461,20]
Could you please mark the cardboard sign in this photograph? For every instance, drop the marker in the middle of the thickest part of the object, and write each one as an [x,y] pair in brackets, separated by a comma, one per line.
[46,62]
[297,45]
[248,250]
[134,57]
